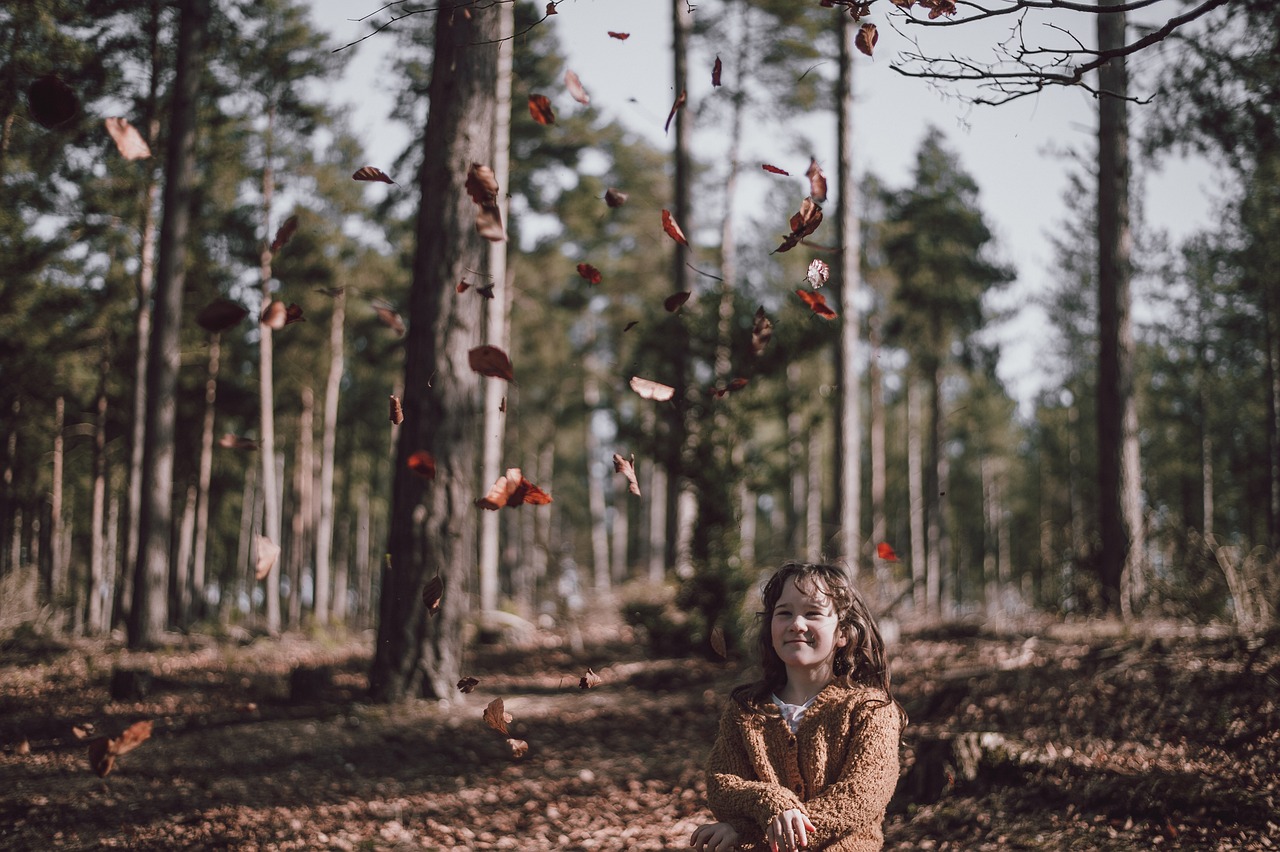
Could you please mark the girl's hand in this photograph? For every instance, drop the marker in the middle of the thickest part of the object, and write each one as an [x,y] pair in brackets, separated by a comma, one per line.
[789,831]
[714,837]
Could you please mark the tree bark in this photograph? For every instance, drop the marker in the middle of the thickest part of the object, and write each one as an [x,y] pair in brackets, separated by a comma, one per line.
[99,594]
[595,480]
[433,524]
[848,399]
[328,447]
[55,584]
[876,415]
[198,559]
[266,387]
[304,475]
[915,490]
[146,618]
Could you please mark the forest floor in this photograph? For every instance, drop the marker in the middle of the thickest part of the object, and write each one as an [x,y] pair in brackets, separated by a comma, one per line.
[1097,737]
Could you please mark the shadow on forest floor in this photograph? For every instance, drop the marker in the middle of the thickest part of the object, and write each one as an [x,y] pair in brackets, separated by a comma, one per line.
[1061,737]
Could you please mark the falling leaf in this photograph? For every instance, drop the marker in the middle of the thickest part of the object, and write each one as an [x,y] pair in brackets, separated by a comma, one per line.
[331,291]
[397,411]
[885,552]
[673,230]
[715,72]
[733,385]
[540,109]
[761,331]
[221,315]
[422,463]
[462,286]
[649,389]
[817,304]
[486,291]
[803,224]
[512,490]
[129,141]
[619,36]
[818,274]
[627,469]
[235,442]
[284,233]
[589,272]
[51,102]
[866,38]
[675,107]
[718,643]
[482,186]
[491,361]
[774,169]
[496,717]
[630,326]
[673,302]
[590,680]
[275,316]
[817,182]
[574,85]
[519,748]
[390,318]
[79,732]
[293,314]
[467,684]
[615,197]
[371,173]
[266,558]
[551,8]
[903,4]
[103,751]
[432,593]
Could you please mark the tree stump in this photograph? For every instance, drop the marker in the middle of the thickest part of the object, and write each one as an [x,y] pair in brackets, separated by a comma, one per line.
[131,684]
[308,683]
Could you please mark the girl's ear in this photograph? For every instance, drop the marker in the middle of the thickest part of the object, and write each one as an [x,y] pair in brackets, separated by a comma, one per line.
[842,638]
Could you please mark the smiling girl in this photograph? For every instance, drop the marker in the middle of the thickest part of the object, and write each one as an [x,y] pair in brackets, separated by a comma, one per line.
[807,756]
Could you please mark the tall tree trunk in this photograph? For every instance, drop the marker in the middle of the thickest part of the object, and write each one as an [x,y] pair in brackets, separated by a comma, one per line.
[146,618]
[813,497]
[12,511]
[433,524]
[595,480]
[876,415]
[56,581]
[848,415]
[198,566]
[932,485]
[1119,467]
[266,386]
[797,531]
[304,475]
[99,592]
[180,567]
[915,490]
[364,566]
[328,447]
[497,312]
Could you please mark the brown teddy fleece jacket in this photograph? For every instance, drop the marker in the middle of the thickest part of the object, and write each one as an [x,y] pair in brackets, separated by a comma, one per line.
[840,767]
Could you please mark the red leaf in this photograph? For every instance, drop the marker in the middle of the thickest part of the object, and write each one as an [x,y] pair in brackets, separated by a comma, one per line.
[866,38]
[129,141]
[221,315]
[293,314]
[491,361]
[422,463]
[615,197]
[482,186]
[574,85]
[467,684]
[817,182]
[286,231]
[627,469]
[397,412]
[803,224]
[511,490]
[589,272]
[817,304]
[462,286]
[679,102]
[673,230]
[619,36]
[673,302]
[885,552]
[432,593]
[734,385]
[540,109]
[650,389]
[371,173]
[774,169]
[390,318]
[715,72]
[590,680]
[761,331]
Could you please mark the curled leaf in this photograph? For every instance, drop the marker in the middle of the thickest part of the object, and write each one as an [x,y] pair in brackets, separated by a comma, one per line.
[497,717]
[519,748]
[733,385]
[619,36]
[267,552]
[589,272]
[885,551]
[432,593]
[649,389]
[817,182]
[590,680]
[866,38]
[512,490]
[285,232]
[672,228]
[482,186]
[615,197]
[467,684]
[675,107]
[774,169]
[673,302]
[715,72]
[803,224]
[397,411]
[817,304]
[491,361]
[628,469]
[422,463]
[540,109]
[129,141]
[371,173]
[574,85]
[817,274]
[103,751]
[221,315]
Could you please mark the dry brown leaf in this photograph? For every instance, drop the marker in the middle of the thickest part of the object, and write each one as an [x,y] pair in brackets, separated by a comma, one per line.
[512,490]
[104,750]
[482,186]
[817,182]
[22,748]
[619,36]
[674,302]
[519,748]
[574,85]
[467,684]
[675,107]
[540,109]
[716,68]
[590,680]
[774,169]
[615,197]
[491,361]
[496,717]
[627,469]
[397,411]
[221,315]
[803,224]
[371,173]
[267,552]
[129,141]
[274,316]
[761,331]
[718,643]
[649,389]
[432,594]
[285,232]
[672,228]
[390,318]
[866,38]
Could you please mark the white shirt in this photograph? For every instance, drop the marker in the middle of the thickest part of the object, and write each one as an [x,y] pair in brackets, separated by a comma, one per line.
[792,713]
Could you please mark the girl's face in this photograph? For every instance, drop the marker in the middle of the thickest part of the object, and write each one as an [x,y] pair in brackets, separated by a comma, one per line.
[805,630]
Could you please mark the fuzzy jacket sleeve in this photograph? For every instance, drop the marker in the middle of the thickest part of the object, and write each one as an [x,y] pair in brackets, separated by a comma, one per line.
[734,793]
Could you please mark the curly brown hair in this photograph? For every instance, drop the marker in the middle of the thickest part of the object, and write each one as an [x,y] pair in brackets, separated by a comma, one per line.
[860,661]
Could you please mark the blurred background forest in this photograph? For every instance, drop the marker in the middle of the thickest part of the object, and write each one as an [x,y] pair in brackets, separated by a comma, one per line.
[883,437]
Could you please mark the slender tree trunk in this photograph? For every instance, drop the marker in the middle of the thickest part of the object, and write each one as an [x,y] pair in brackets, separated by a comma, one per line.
[595,481]
[180,568]
[304,473]
[879,464]
[99,593]
[433,525]
[328,447]
[12,511]
[619,536]
[105,617]
[266,386]
[364,566]
[146,618]
[797,530]
[198,566]
[932,486]
[990,548]
[813,497]
[848,399]
[915,489]
[55,584]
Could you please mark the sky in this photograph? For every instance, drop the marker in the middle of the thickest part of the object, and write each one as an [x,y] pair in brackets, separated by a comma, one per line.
[1017,153]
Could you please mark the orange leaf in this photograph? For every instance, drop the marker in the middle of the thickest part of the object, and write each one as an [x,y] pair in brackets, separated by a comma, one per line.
[511,490]
[235,442]
[482,186]
[496,716]
[817,182]
[371,173]
[390,318]
[432,593]
[675,107]
[467,684]
[284,233]
[462,286]
[491,361]
[129,141]
[615,197]
[627,469]
[589,272]
[540,109]
[817,304]
[885,552]
[774,169]
[103,751]
[268,551]
[422,463]
[715,72]
[649,389]
[619,36]
[673,302]
[866,38]
[221,315]
[673,230]
[590,680]
[574,85]
[397,411]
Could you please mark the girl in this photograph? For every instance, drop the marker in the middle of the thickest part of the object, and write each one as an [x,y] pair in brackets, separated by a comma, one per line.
[807,757]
